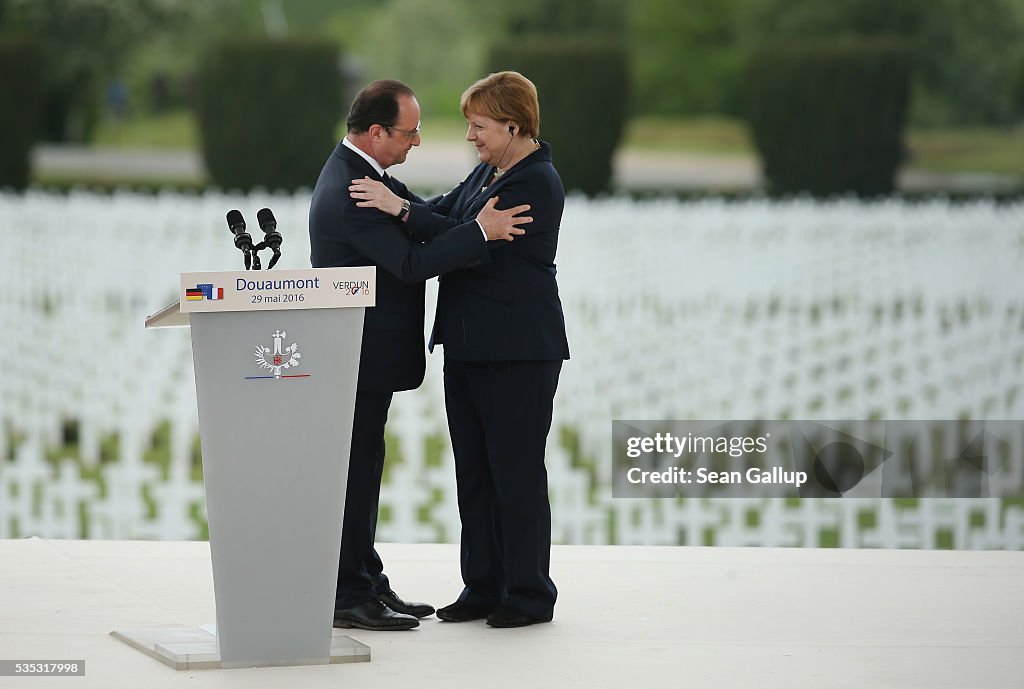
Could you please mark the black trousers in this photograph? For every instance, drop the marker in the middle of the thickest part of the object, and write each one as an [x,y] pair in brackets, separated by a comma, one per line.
[360,570]
[499,415]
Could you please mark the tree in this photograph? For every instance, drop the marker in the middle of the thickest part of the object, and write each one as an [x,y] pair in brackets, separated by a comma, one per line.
[967,53]
[87,42]
[686,56]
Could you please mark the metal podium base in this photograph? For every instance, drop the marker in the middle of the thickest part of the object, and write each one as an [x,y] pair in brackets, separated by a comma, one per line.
[195,648]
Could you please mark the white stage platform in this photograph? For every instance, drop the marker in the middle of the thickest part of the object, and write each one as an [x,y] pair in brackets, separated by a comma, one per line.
[626,617]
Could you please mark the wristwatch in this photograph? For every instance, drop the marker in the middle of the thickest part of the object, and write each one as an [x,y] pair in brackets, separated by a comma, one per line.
[406,206]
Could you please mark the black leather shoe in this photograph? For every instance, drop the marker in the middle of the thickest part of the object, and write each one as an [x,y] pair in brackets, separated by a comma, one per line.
[392,600]
[375,616]
[510,617]
[463,612]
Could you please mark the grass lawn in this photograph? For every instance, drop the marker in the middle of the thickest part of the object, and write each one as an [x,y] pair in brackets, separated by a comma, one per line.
[949,150]
[982,150]
[723,135]
[979,149]
[170,130]
[178,130]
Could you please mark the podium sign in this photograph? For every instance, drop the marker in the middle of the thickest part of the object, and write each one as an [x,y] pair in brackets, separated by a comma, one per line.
[276,358]
[251,290]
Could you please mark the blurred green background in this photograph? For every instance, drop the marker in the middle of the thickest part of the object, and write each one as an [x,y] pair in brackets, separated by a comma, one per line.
[124,73]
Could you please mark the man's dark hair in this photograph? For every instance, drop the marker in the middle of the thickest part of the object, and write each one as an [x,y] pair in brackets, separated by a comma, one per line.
[376,104]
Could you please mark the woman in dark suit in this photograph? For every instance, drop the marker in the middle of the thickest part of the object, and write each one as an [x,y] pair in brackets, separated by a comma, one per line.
[504,341]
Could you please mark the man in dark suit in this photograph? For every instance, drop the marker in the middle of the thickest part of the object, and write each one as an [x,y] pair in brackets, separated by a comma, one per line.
[383,125]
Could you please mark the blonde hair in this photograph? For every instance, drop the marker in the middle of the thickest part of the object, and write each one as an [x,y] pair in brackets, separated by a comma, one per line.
[505,96]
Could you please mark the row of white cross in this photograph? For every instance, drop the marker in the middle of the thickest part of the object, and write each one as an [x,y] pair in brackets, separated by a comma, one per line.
[699,310]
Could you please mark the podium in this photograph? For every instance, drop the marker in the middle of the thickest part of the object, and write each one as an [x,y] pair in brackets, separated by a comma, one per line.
[276,356]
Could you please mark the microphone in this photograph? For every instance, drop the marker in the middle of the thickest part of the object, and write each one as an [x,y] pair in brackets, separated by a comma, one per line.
[243,242]
[272,238]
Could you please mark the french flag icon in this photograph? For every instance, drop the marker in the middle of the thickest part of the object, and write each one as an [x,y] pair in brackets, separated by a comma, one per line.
[211,292]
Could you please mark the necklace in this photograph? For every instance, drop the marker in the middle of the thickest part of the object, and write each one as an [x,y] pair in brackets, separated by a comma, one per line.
[498,172]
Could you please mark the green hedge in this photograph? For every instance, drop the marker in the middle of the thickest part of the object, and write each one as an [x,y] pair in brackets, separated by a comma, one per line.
[268,111]
[583,89]
[1018,88]
[21,73]
[828,116]
[71,108]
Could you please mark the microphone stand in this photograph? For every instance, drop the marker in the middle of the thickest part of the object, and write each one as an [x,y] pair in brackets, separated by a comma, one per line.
[272,242]
[243,241]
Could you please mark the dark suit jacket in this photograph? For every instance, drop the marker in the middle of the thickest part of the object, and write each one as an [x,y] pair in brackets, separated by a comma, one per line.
[343,234]
[507,309]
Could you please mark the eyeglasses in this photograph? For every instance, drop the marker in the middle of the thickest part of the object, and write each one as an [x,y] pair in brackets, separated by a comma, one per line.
[408,134]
